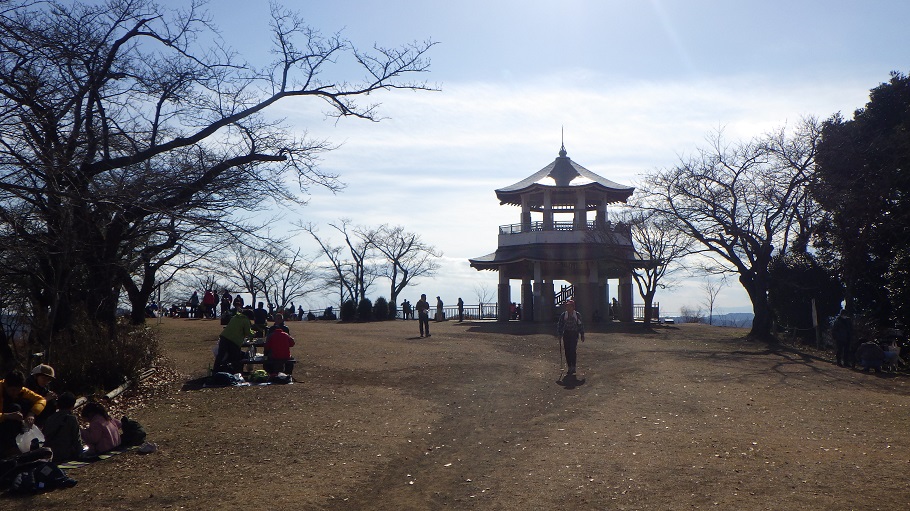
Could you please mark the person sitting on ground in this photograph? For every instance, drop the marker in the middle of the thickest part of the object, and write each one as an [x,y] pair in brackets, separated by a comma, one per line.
[870,356]
[39,382]
[229,356]
[278,352]
[61,431]
[14,397]
[103,432]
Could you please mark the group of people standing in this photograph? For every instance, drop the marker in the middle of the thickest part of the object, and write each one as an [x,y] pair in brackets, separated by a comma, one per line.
[869,355]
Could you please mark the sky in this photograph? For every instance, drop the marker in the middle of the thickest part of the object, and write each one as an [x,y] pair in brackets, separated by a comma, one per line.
[628,86]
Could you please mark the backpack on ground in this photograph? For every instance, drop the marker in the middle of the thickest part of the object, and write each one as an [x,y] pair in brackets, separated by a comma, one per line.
[223,379]
[38,477]
[133,432]
[32,472]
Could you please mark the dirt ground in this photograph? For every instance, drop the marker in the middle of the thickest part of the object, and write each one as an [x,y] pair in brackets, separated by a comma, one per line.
[478,417]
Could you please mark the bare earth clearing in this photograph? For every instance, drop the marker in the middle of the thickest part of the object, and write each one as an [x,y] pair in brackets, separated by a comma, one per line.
[685,417]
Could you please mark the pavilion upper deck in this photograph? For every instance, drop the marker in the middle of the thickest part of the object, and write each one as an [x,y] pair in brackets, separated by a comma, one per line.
[564,232]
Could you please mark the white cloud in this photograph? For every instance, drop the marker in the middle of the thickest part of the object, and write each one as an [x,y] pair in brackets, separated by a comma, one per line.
[434,164]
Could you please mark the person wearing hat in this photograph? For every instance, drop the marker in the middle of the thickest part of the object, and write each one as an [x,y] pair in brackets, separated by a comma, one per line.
[39,382]
[570,328]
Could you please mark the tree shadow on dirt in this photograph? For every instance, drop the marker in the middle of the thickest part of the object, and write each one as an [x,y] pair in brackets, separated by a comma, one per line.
[782,360]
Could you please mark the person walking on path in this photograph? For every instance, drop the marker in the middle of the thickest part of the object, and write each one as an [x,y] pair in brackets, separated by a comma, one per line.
[440,315]
[423,315]
[460,310]
[569,328]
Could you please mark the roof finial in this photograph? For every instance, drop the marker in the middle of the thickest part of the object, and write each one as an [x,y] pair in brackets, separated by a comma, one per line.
[562,135]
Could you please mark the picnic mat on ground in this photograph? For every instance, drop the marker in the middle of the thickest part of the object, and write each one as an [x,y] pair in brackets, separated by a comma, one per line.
[68,465]
[206,382]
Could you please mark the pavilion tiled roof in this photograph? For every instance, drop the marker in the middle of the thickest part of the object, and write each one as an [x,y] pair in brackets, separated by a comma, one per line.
[563,173]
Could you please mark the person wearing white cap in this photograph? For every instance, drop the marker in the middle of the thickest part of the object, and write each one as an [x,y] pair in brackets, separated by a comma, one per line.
[569,328]
[39,382]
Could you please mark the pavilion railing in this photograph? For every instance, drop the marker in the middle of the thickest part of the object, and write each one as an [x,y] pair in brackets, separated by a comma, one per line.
[561,225]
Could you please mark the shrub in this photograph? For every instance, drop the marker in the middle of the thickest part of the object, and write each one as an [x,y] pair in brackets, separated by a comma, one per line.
[393,311]
[365,310]
[348,311]
[381,309]
[691,314]
[91,359]
[796,279]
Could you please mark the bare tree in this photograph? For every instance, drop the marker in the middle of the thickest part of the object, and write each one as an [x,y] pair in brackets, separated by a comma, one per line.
[485,295]
[660,247]
[352,265]
[248,268]
[711,289]
[407,258]
[293,278]
[740,203]
[115,124]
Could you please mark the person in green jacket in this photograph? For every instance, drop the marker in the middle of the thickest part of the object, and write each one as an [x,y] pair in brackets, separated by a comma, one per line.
[229,356]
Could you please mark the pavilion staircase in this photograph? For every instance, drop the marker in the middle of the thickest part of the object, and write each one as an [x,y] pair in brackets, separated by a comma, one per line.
[564,295]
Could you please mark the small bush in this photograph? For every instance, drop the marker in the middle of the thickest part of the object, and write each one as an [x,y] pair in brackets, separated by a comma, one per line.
[381,309]
[692,314]
[89,359]
[365,310]
[393,311]
[348,311]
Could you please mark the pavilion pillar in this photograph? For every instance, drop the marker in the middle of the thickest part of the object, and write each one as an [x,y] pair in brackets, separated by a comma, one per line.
[608,309]
[625,298]
[581,211]
[537,290]
[525,214]
[601,218]
[547,211]
[527,300]
[548,293]
[505,296]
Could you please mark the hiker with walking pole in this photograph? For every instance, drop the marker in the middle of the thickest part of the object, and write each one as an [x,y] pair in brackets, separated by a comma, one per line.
[568,329]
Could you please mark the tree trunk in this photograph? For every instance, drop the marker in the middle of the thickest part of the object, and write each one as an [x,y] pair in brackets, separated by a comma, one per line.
[649,305]
[757,289]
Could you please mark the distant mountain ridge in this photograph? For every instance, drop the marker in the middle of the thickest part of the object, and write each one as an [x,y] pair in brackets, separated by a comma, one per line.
[732,319]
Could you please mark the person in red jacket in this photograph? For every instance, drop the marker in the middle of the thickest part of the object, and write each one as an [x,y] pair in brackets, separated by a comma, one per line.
[278,353]
[208,304]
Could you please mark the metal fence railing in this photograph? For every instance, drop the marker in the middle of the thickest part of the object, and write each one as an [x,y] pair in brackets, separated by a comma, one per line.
[490,311]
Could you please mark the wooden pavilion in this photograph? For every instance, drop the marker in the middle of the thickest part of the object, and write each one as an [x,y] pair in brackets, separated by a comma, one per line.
[564,234]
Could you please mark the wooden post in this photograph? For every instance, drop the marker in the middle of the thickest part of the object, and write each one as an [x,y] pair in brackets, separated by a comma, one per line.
[818,332]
